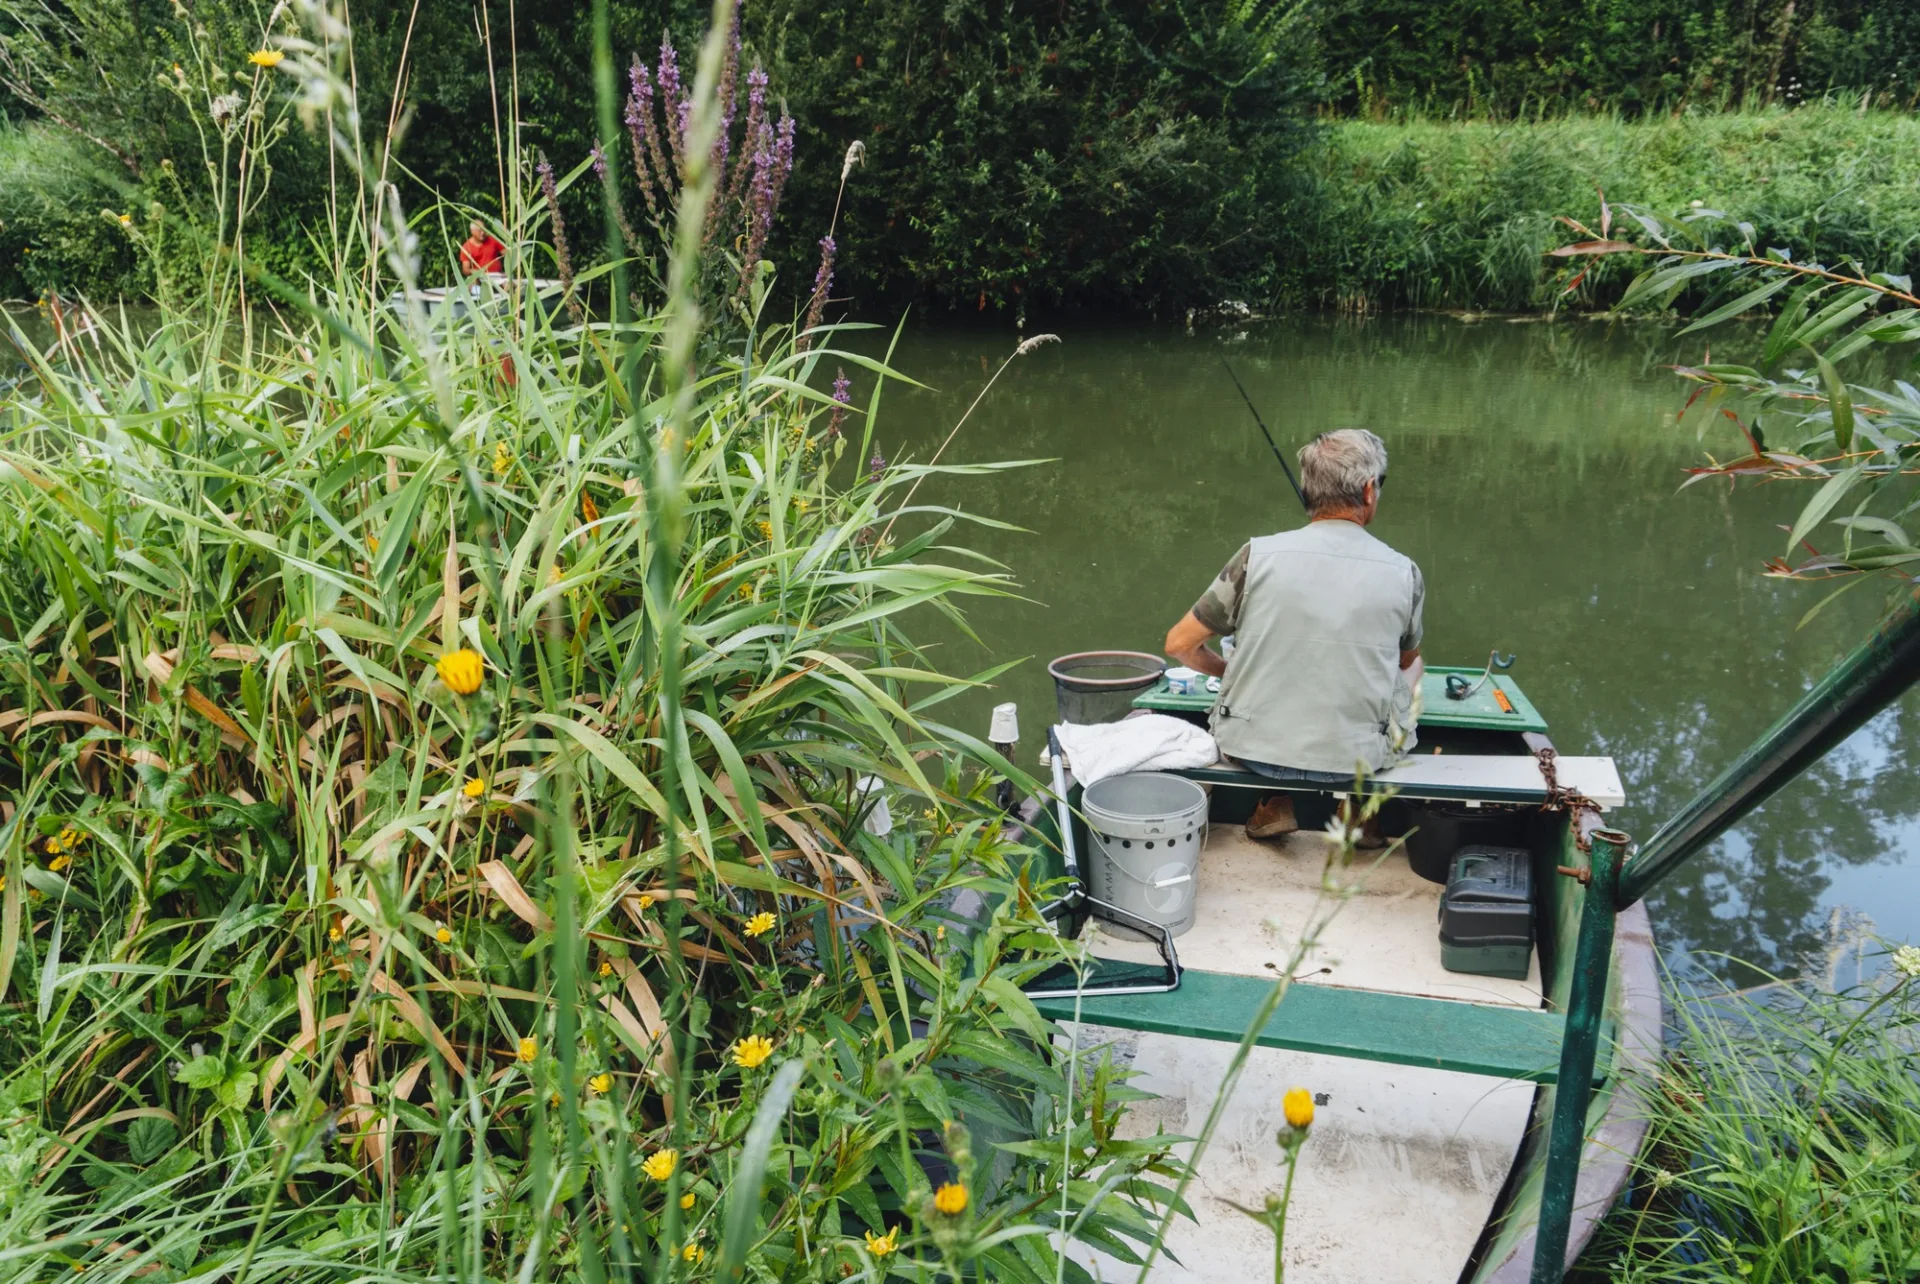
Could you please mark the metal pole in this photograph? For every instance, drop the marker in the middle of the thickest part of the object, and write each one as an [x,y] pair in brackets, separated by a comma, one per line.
[1579,1044]
[1876,674]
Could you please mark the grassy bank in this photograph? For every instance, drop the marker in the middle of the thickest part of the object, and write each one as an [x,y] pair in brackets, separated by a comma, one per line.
[1447,214]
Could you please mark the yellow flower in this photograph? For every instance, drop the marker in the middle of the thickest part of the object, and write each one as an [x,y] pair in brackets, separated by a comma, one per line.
[660,1164]
[373,541]
[686,1202]
[1298,1107]
[474,787]
[601,1083]
[126,220]
[694,1253]
[333,933]
[266,57]
[589,511]
[951,1199]
[3,882]
[461,670]
[646,901]
[529,1048]
[752,1050]
[502,459]
[800,506]
[760,924]
[441,934]
[606,968]
[766,530]
[881,1245]
[59,863]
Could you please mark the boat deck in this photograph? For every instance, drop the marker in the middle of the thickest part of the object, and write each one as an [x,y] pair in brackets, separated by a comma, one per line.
[1404,1163]
[1254,898]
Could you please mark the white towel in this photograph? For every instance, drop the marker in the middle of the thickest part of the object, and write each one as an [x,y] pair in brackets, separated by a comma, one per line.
[1150,742]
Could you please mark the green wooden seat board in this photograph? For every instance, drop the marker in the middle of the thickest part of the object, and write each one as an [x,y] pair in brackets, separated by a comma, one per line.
[1480,711]
[1442,1034]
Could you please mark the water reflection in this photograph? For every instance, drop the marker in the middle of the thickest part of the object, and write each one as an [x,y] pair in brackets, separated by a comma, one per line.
[1534,478]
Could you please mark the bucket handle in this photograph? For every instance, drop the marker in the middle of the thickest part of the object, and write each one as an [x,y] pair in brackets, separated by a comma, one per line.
[1171,882]
[1155,885]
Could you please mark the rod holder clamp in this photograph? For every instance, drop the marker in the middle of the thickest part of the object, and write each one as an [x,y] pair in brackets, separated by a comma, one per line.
[1582,876]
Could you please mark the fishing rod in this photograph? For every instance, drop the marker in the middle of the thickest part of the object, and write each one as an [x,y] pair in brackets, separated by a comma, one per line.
[1269,436]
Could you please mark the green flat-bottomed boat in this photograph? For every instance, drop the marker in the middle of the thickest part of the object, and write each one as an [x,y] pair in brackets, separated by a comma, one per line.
[1469,1128]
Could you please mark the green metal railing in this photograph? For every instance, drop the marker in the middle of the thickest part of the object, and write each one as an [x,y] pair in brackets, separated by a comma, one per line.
[1875,675]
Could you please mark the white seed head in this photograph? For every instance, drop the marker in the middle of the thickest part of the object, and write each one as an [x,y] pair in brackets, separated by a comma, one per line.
[856,155]
[1038,340]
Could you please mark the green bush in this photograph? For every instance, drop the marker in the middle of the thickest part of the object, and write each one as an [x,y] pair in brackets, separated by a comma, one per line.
[1123,153]
[1518,57]
[53,234]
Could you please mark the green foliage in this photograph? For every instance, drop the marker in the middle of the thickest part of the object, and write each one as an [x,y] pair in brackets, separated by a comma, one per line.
[1123,153]
[1525,57]
[438,746]
[1431,214]
[1853,444]
[54,228]
[1785,1131]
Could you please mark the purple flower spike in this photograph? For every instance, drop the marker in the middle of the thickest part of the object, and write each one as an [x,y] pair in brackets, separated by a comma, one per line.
[843,397]
[599,162]
[670,102]
[876,466]
[822,282]
[560,254]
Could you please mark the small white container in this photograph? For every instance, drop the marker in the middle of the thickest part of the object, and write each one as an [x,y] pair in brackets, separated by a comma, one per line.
[1183,681]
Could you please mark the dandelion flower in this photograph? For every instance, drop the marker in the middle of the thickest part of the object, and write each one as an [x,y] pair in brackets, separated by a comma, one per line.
[646,901]
[760,924]
[474,787]
[800,505]
[951,1199]
[266,58]
[461,670]
[529,1048]
[502,459]
[881,1245]
[59,862]
[1906,960]
[686,1202]
[660,1164]
[126,220]
[601,1083]
[1297,1105]
[3,882]
[751,1051]
[694,1253]
[766,529]
[333,933]
[441,934]
[606,968]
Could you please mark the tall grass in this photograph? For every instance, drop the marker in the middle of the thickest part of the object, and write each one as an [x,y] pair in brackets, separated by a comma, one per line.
[323,957]
[1785,1132]
[1434,213]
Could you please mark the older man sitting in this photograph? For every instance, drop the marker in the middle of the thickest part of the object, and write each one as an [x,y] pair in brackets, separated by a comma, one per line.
[1326,627]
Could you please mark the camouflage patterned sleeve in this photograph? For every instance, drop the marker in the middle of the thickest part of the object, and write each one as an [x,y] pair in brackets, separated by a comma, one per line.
[1219,607]
[1410,640]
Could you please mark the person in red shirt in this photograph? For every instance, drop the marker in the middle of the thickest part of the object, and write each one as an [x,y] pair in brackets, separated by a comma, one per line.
[480,252]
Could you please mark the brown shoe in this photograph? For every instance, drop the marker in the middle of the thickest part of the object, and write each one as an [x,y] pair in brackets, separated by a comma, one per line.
[1272,818]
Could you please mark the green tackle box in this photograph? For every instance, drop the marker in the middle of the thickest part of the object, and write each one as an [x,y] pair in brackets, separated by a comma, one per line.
[1486,913]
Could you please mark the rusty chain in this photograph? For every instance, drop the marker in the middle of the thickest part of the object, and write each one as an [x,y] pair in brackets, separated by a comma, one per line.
[1565,797]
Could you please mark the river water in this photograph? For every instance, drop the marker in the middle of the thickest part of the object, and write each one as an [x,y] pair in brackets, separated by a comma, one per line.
[1534,478]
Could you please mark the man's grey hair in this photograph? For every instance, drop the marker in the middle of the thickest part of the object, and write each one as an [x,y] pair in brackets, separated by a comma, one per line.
[1336,466]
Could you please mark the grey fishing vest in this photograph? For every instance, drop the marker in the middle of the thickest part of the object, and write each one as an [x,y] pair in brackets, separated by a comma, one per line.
[1314,681]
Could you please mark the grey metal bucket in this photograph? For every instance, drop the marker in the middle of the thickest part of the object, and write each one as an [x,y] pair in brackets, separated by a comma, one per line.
[1147,828]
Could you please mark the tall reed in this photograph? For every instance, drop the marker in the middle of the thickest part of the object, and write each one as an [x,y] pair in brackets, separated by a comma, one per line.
[441,748]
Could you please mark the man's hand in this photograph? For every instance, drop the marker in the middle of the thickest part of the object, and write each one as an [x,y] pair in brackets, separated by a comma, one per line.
[1187,643]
